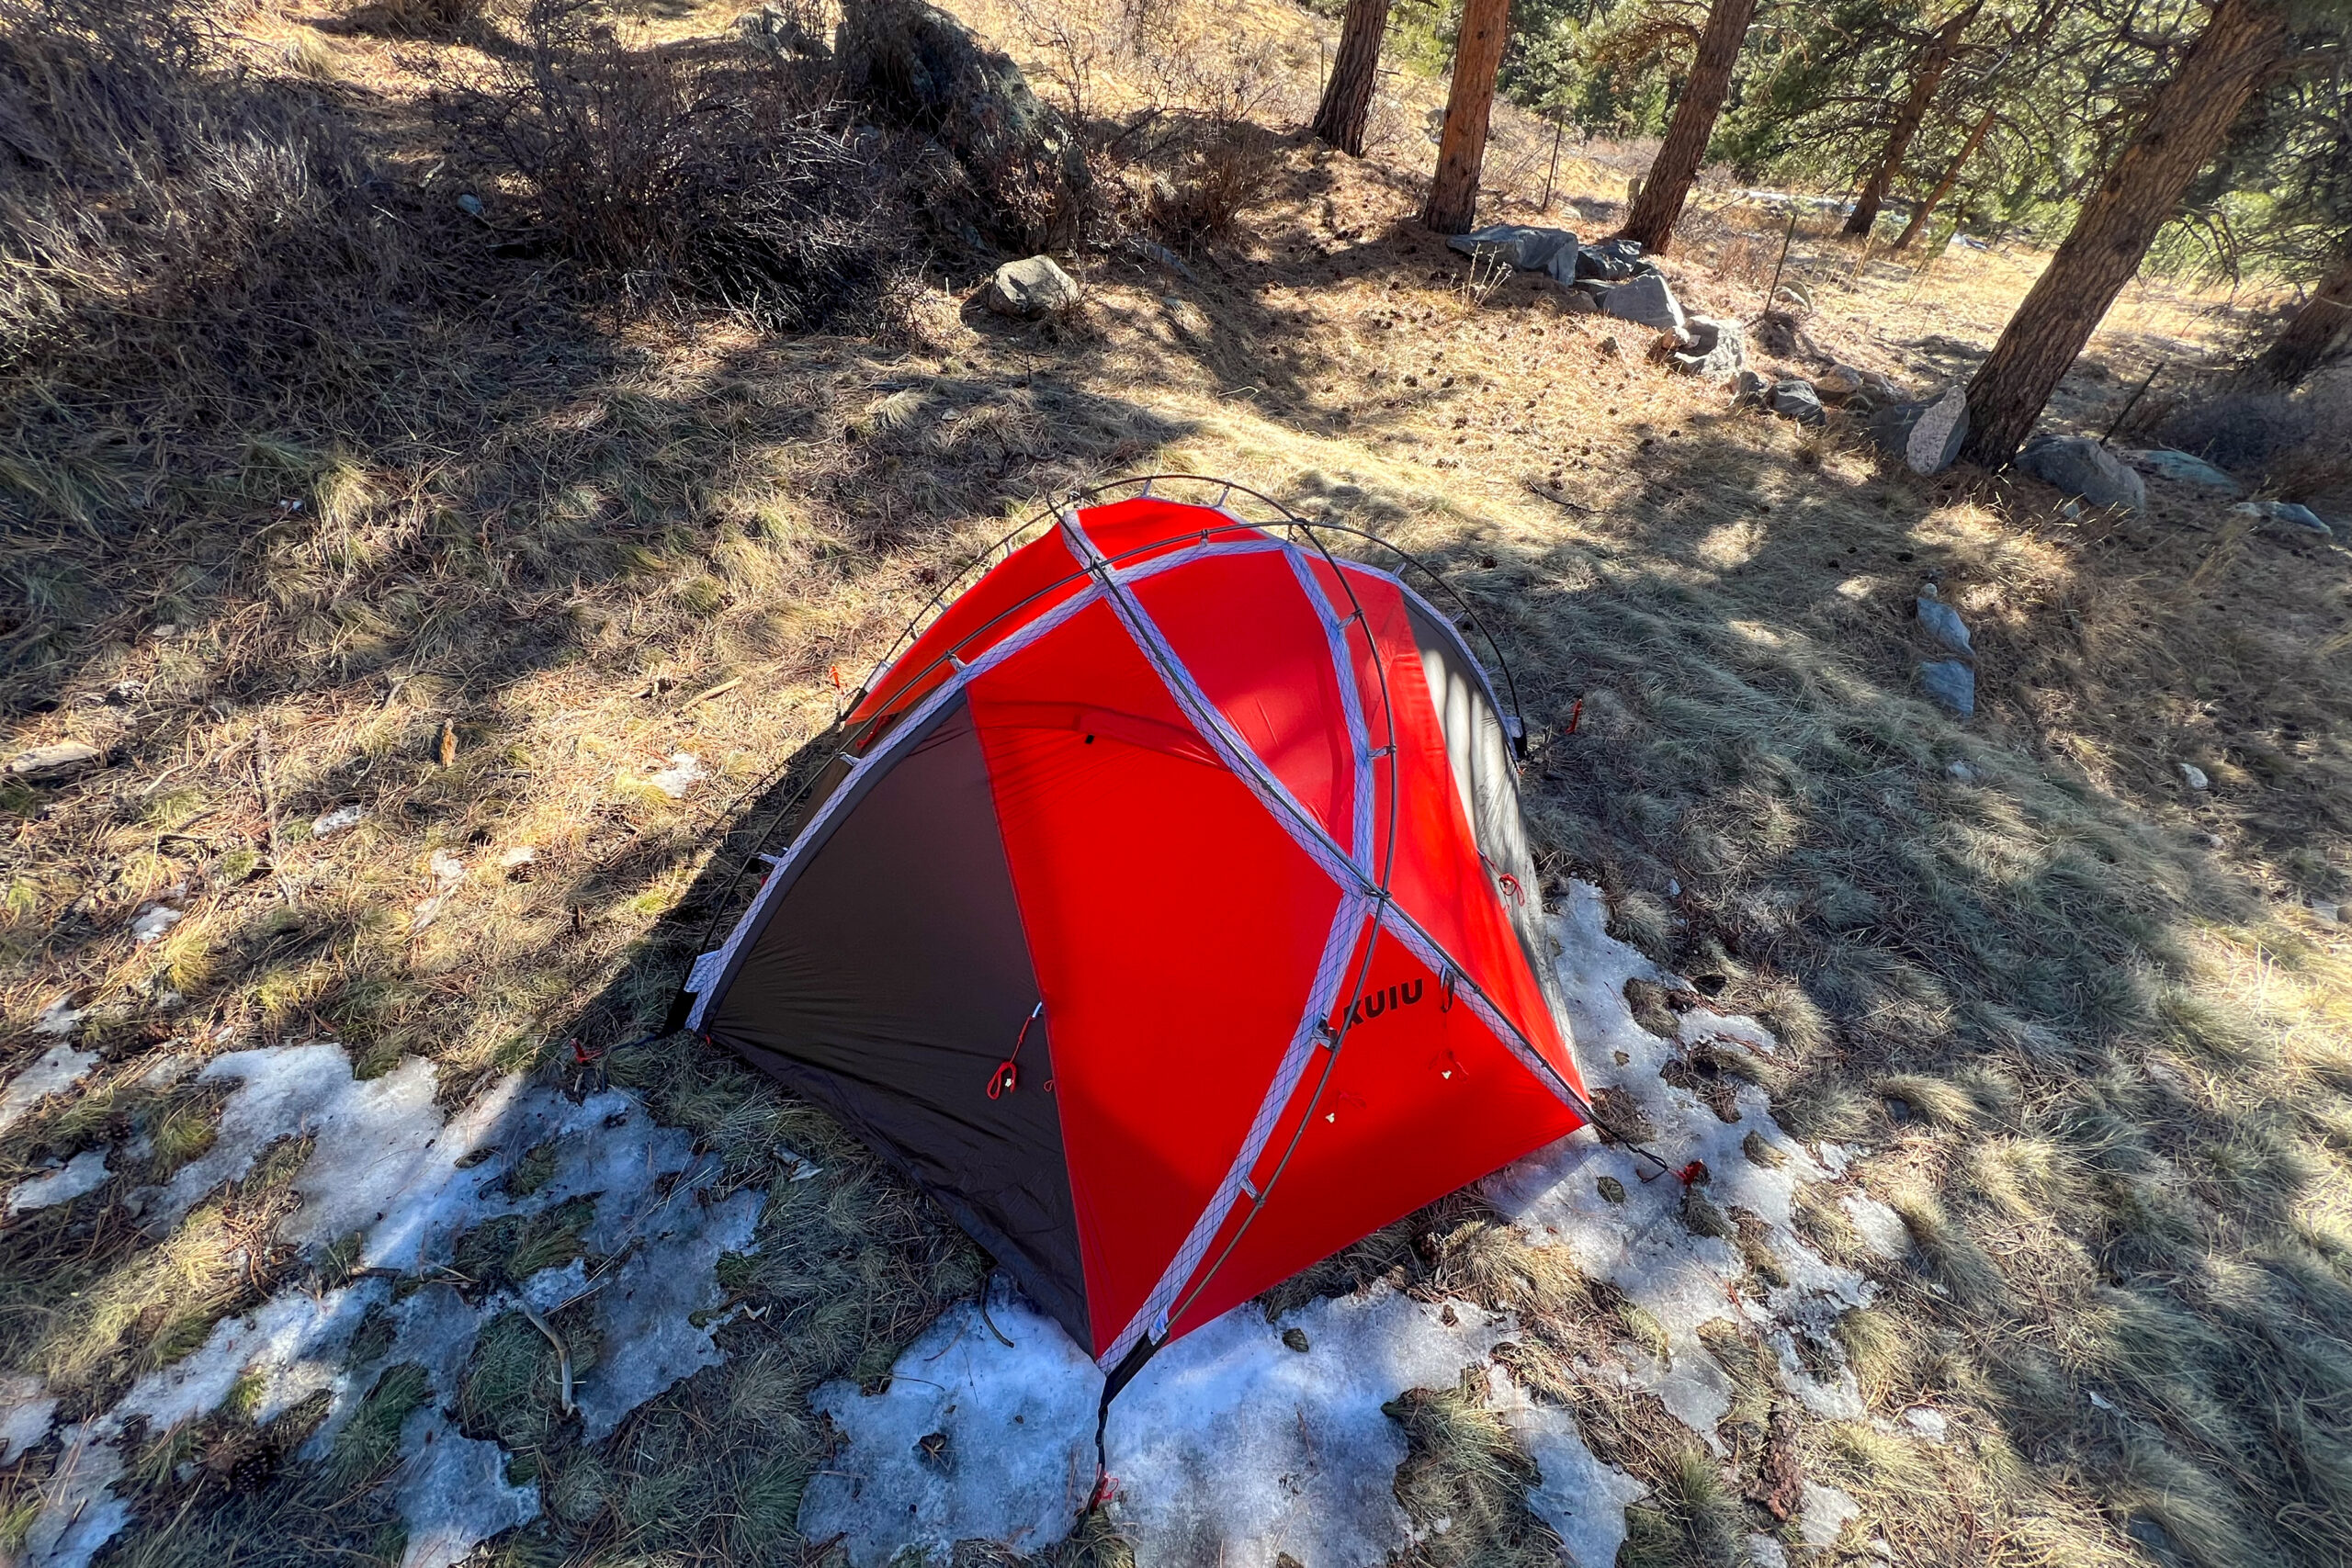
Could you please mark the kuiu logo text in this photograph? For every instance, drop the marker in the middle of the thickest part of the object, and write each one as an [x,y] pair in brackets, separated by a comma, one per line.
[1373,1004]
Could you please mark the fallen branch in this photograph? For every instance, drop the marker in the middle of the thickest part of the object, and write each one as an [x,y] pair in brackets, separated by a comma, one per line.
[563,1351]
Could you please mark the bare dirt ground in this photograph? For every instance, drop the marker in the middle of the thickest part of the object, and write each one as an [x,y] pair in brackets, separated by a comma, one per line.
[417,718]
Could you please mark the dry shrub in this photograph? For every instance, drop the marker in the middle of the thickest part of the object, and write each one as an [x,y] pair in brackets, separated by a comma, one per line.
[2296,443]
[730,171]
[418,19]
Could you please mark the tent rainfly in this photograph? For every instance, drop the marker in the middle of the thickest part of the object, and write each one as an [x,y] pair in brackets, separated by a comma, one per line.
[1167,915]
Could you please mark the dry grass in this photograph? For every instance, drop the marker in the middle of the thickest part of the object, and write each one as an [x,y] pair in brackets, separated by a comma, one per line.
[376,478]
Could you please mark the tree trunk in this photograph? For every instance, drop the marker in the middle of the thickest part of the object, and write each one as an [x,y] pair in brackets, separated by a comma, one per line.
[1932,62]
[2242,41]
[1462,147]
[1355,72]
[1920,213]
[2317,328]
[1651,222]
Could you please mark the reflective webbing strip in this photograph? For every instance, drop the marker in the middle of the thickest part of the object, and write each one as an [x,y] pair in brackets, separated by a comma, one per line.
[1335,631]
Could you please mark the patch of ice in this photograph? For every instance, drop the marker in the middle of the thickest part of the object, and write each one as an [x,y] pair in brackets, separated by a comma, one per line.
[1681,1278]
[387,1167]
[1763,1551]
[1582,1499]
[447,871]
[335,821]
[1825,1514]
[85,1172]
[26,1409]
[679,777]
[1012,1427]
[60,1018]
[56,1069]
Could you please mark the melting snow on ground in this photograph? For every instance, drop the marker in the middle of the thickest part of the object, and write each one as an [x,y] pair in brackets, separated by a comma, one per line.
[1232,1447]
[57,1068]
[387,1166]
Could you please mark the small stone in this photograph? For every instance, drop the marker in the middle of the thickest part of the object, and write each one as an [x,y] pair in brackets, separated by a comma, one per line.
[2193,776]
[1963,771]
[1296,1338]
[44,763]
[1941,622]
[1612,1188]
[1608,346]
[1031,287]
[1951,683]
[1795,399]
[1578,302]
[1837,383]
[2078,466]
[1748,387]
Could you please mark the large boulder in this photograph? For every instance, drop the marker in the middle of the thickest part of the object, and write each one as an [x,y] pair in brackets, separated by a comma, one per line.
[1033,287]
[2181,468]
[1525,247]
[914,62]
[1647,301]
[2285,516]
[1927,435]
[1718,350]
[2080,465]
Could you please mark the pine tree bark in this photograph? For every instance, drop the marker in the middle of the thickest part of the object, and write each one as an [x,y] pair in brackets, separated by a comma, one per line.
[1651,222]
[2324,321]
[1462,146]
[1355,72]
[2242,41]
[1933,62]
[1921,212]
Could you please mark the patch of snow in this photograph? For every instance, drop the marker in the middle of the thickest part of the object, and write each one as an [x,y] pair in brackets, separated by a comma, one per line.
[153,920]
[1682,1280]
[1880,1228]
[85,1172]
[26,1409]
[60,1019]
[390,1168]
[1927,1422]
[1580,1499]
[1230,1447]
[1825,1514]
[679,777]
[1017,1462]
[447,872]
[1763,1551]
[521,855]
[335,821]
[56,1069]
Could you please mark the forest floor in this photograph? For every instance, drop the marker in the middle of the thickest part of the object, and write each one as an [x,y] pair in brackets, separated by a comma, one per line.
[421,738]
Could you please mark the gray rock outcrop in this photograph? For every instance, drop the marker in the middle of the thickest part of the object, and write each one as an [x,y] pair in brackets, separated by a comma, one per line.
[2080,465]
[1950,683]
[2286,517]
[1718,349]
[2183,468]
[1031,287]
[1647,301]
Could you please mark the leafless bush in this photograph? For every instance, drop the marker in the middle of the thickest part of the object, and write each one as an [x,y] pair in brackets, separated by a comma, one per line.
[418,19]
[2296,444]
[726,170]
[1211,175]
[172,227]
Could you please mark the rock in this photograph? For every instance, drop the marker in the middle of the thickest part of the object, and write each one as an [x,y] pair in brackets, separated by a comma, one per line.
[45,765]
[1527,248]
[1941,622]
[2283,514]
[1748,387]
[1647,300]
[2080,465]
[1927,435]
[2181,468]
[1718,349]
[1795,399]
[1951,683]
[1612,261]
[779,32]
[1839,382]
[2193,776]
[1033,287]
[1578,302]
[916,65]
[1160,255]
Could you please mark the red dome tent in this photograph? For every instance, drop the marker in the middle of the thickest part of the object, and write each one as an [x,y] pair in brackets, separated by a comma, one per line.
[1166,915]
